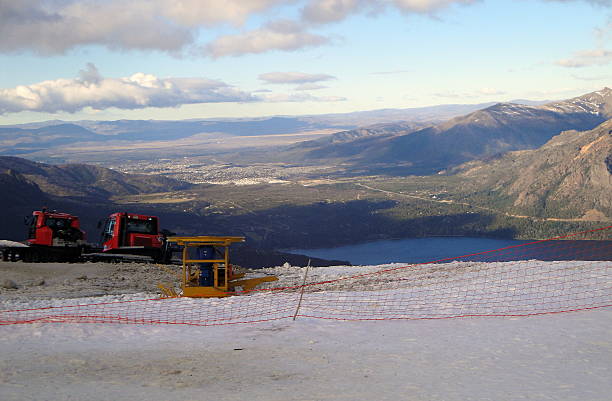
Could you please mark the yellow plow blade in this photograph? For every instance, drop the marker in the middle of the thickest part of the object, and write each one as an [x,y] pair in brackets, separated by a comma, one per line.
[250,283]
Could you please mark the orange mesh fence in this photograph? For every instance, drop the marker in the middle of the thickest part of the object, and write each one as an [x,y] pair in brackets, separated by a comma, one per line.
[541,277]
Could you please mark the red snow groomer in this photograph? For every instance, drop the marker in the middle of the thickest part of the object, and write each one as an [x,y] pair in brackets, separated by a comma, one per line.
[133,234]
[52,237]
[57,237]
[55,229]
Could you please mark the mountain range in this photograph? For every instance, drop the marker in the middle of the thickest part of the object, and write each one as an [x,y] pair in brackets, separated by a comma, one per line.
[31,138]
[503,127]
[51,136]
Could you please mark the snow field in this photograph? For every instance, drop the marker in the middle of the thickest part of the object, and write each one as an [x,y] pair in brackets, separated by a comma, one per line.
[429,291]
[552,357]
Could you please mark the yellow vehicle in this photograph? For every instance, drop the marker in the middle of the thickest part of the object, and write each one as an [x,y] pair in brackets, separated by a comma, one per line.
[206,269]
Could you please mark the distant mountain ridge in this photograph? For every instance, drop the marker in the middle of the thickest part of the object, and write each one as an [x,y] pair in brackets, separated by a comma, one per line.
[348,143]
[412,146]
[599,102]
[25,139]
[484,133]
[16,141]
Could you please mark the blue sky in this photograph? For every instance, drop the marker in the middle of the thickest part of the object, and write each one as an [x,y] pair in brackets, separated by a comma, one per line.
[175,59]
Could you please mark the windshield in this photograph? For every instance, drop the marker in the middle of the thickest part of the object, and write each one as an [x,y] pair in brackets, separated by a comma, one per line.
[57,224]
[142,226]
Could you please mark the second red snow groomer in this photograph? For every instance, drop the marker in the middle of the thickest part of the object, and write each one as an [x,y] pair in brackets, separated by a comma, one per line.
[132,233]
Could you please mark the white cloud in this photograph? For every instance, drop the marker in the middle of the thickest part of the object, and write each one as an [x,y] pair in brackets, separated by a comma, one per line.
[326,11]
[602,3]
[279,35]
[137,91]
[50,27]
[294,77]
[207,12]
[304,81]
[427,6]
[587,58]
[55,26]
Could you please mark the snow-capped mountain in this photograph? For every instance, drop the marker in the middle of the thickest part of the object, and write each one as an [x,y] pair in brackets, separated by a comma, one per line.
[599,103]
[482,134]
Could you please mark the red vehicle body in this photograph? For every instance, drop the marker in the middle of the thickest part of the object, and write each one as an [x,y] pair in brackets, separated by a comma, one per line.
[132,233]
[57,237]
[52,237]
[55,229]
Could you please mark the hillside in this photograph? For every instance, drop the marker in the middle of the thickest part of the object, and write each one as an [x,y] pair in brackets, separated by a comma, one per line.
[16,189]
[87,181]
[484,133]
[349,143]
[569,177]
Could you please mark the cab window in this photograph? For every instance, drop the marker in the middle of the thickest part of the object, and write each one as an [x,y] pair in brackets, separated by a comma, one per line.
[109,228]
[142,226]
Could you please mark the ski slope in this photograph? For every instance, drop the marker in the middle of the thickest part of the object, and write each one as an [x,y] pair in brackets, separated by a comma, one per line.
[553,357]
[556,356]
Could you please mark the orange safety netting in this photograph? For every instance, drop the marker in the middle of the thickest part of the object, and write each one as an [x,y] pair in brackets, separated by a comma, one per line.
[542,277]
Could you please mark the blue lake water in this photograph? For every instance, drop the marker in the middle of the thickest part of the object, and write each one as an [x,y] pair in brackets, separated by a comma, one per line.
[420,250]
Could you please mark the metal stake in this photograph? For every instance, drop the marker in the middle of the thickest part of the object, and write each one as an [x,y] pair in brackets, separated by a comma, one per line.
[302,292]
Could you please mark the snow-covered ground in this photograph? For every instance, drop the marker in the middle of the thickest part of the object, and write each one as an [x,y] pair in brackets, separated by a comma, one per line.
[566,356]
[553,357]
[430,291]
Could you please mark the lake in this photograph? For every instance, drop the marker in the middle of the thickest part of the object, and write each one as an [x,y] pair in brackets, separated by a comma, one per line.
[420,250]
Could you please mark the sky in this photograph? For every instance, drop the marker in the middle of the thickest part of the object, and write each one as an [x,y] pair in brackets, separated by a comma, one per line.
[181,59]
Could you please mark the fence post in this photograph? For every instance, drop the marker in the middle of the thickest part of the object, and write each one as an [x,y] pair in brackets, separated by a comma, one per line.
[302,292]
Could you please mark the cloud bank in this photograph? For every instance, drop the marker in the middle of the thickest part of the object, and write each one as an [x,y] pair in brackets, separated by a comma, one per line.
[278,35]
[55,26]
[50,27]
[142,90]
[134,92]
